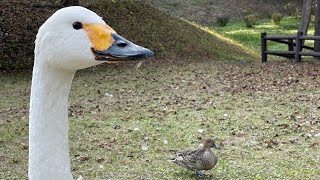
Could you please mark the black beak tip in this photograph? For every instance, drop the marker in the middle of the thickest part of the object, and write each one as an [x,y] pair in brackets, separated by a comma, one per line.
[149,54]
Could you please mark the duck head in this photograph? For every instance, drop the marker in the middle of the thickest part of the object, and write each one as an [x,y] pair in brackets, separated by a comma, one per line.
[76,38]
[209,143]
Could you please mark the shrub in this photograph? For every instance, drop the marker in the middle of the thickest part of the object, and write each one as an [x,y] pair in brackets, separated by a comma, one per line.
[250,20]
[223,20]
[289,9]
[267,11]
[298,12]
[276,18]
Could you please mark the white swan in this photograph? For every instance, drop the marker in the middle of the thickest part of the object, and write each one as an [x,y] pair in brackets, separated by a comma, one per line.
[72,38]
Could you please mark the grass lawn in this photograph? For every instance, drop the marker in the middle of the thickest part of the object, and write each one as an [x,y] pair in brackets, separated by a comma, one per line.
[125,123]
[251,37]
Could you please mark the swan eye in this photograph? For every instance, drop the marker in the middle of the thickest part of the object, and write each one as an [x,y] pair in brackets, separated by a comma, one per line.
[77,25]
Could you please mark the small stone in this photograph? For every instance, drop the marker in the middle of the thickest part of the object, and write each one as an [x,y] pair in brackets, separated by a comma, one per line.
[144,147]
[200,131]
[108,94]
[165,142]
[308,135]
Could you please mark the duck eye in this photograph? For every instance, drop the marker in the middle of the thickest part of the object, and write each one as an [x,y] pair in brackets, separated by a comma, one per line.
[77,25]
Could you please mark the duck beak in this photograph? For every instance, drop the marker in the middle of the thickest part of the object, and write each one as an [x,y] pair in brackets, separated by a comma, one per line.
[122,50]
[215,146]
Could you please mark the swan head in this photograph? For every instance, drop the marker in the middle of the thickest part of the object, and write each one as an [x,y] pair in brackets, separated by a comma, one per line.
[76,38]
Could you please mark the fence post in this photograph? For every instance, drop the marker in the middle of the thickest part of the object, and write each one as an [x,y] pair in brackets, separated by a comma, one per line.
[298,47]
[264,56]
[290,47]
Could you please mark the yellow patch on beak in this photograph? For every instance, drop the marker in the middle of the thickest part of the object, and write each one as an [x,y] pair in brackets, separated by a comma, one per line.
[99,35]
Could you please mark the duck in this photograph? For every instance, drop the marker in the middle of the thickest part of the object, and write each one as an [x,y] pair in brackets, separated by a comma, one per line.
[72,38]
[198,159]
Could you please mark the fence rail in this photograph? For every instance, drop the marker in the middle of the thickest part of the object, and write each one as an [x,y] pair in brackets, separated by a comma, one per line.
[295,46]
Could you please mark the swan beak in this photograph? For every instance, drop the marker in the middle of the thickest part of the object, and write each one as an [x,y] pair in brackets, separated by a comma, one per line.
[122,50]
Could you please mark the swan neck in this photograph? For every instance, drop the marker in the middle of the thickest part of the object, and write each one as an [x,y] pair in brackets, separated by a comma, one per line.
[48,123]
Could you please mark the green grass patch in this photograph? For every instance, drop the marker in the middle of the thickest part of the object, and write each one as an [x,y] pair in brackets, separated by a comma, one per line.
[251,37]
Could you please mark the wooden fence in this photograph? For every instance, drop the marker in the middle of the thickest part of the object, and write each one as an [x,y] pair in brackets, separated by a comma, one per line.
[295,46]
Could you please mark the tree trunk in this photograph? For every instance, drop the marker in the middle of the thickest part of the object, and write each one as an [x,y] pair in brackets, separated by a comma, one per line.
[317,26]
[305,17]
[66,3]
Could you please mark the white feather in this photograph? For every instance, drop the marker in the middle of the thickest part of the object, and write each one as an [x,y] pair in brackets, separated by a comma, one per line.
[60,50]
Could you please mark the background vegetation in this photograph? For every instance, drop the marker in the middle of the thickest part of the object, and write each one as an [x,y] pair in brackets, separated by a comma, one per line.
[170,38]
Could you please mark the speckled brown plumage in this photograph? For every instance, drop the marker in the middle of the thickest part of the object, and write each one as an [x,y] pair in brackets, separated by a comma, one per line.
[199,159]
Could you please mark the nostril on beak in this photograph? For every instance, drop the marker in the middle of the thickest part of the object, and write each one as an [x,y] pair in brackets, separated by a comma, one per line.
[121,44]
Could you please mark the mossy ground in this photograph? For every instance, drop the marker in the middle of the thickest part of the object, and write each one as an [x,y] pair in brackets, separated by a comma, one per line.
[265,117]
